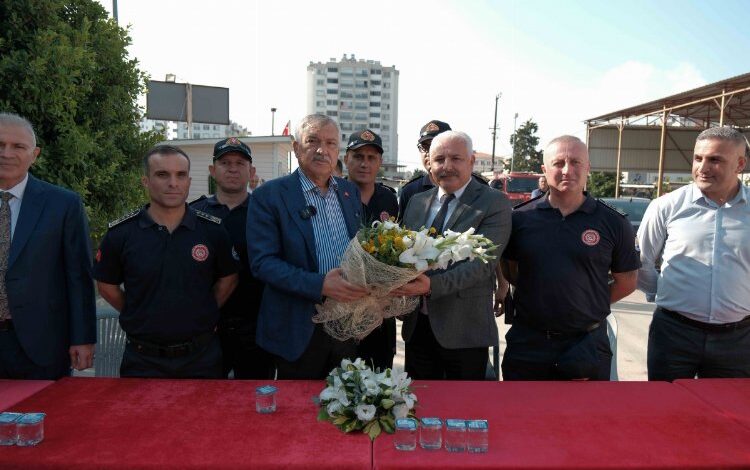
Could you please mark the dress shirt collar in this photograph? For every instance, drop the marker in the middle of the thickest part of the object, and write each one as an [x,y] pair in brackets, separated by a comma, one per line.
[308,185]
[696,194]
[18,190]
[459,192]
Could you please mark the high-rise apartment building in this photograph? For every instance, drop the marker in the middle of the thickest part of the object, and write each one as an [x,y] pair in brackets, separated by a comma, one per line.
[357,93]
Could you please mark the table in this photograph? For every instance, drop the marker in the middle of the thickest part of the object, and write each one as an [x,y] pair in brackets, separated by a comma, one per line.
[13,391]
[140,423]
[730,396]
[578,425]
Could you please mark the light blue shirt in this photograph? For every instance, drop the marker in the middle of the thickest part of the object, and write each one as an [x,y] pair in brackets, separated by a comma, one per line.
[329,225]
[706,255]
[15,202]
[437,202]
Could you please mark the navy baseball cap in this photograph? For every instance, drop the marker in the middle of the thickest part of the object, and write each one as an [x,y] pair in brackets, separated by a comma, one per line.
[431,129]
[231,144]
[364,137]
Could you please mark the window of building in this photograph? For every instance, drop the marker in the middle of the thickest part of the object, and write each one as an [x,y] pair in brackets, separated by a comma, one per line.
[374,104]
[376,71]
[362,73]
[346,116]
[206,127]
[332,91]
[196,135]
[346,95]
[386,96]
[320,103]
[386,85]
[385,138]
[360,106]
[333,69]
[332,102]
[361,95]
[346,126]
[374,115]
[320,92]
[360,84]
[345,104]
[375,82]
[332,113]
[386,127]
[386,117]
[319,82]
[332,80]
[375,125]
[374,93]
[386,106]
[360,117]
[346,72]
[386,74]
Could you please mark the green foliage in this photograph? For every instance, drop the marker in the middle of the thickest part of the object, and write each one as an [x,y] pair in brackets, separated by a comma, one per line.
[524,140]
[65,67]
[417,172]
[602,184]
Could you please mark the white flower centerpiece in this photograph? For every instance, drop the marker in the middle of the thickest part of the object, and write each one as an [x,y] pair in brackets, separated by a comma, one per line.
[385,256]
[358,398]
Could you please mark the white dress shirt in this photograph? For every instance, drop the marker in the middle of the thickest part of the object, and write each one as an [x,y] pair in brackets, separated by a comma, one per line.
[15,202]
[437,202]
[705,251]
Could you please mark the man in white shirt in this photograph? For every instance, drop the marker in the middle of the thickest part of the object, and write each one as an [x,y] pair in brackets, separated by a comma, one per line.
[701,232]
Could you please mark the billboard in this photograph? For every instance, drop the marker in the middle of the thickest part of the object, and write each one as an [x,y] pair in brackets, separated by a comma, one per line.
[168,101]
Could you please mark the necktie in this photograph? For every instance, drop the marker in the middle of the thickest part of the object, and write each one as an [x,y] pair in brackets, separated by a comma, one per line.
[4,251]
[439,221]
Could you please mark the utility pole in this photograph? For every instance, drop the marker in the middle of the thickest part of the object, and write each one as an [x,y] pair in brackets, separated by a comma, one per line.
[273,114]
[515,137]
[114,11]
[494,135]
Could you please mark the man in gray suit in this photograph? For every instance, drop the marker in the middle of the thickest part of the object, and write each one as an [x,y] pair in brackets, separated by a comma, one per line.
[450,333]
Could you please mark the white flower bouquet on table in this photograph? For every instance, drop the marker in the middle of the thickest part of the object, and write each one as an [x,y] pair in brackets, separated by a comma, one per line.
[386,256]
[357,398]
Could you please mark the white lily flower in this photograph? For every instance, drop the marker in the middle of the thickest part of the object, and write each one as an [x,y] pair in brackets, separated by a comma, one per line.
[334,407]
[400,411]
[365,412]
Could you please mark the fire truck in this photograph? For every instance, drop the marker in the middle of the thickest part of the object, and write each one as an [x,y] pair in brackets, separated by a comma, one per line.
[517,185]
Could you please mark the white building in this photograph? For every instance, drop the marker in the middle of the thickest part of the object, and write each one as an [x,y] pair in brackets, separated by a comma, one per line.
[357,94]
[270,157]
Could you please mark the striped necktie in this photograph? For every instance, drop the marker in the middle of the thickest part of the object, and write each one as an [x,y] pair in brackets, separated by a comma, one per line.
[4,251]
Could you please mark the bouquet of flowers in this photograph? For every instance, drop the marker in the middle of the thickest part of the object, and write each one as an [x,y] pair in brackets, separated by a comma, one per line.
[357,398]
[385,256]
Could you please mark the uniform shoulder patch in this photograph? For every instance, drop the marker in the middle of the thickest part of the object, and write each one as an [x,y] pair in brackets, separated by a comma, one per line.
[612,208]
[204,197]
[208,217]
[125,217]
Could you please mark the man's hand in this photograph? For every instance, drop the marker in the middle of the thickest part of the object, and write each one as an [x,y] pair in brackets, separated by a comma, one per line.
[338,288]
[82,356]
[418,286]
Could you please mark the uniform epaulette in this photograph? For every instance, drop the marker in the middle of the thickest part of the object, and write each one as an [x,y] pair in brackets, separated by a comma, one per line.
[388,187]
[209,217]
[198,200]
[524,203]
[125,217]
[612,208]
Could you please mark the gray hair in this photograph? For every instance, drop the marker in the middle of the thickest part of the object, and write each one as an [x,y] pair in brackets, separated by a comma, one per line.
[11,119]
[314,120]
[453,135]
[726,133]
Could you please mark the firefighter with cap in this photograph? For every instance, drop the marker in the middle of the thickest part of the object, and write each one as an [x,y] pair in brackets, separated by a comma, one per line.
[364,156]
[233,170]
[167,269]
[422,183]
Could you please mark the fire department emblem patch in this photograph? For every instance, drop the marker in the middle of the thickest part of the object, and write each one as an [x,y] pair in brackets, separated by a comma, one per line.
[590,237]
[200,252]
[367,135]
[432,127]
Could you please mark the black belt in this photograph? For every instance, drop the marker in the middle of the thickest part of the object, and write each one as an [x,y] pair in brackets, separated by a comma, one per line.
[6,325]
[171,350]
[713,327]
[553,334]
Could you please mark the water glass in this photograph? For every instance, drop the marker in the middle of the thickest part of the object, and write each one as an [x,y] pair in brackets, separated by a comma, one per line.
[431,433]
[478,436]
[455,435]
[265,399]
[30,429]
[406,434]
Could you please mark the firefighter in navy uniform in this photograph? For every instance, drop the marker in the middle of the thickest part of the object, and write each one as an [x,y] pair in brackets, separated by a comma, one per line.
[232,170]
[364,156]
[562,248]
[167,268]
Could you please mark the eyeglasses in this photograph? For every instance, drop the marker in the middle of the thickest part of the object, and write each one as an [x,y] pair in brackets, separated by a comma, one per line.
[424,147]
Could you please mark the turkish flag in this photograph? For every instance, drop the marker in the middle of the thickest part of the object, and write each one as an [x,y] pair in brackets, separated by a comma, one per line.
[286,128]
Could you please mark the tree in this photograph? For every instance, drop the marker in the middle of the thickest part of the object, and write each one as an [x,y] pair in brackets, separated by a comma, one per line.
[65,67]
[418,172]
[602,184]
[524,141]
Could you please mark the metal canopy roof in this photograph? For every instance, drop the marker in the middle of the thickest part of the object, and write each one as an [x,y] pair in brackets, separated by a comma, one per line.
[701,107]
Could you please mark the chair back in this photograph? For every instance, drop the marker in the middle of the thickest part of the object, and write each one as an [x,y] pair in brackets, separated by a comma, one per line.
[110,343]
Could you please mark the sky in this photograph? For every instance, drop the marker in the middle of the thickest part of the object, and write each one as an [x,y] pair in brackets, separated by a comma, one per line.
[556,62]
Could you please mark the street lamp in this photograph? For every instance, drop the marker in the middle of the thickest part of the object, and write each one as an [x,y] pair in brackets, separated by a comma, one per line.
[273,115]
[515,138]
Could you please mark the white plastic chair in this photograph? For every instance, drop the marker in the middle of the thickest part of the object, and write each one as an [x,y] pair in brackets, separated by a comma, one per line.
[110,343]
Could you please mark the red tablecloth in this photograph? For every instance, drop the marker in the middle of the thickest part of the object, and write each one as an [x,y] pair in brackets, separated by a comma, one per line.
[730,396]
[13,391]
[577,425]
[136,423]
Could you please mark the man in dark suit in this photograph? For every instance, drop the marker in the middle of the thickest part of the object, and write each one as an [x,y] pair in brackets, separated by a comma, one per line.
[449,335]
[47,310]
[298,228]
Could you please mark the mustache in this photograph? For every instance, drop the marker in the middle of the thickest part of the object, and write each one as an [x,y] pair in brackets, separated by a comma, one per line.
[446,174]
[321,158]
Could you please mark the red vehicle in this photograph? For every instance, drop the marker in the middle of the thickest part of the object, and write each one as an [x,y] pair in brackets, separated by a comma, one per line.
[517,185]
